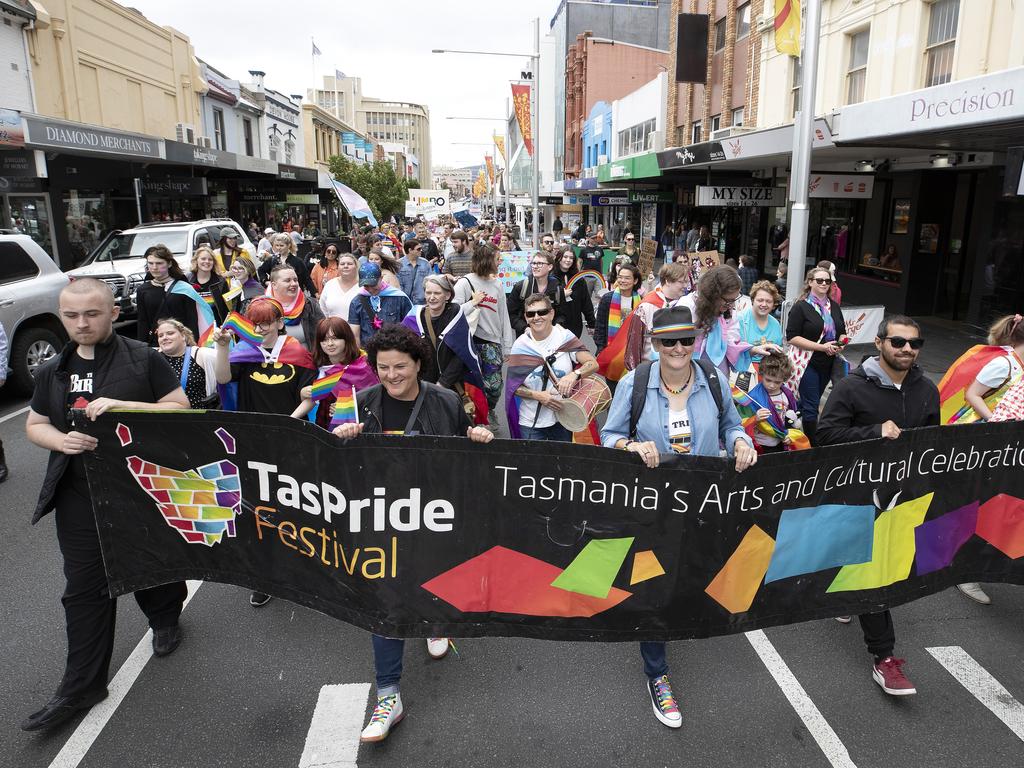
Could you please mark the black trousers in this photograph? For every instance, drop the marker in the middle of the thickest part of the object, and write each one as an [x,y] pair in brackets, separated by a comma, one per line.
[88,608]
[879,633]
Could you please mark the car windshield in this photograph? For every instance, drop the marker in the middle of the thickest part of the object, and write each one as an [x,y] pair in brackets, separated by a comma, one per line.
[133,245]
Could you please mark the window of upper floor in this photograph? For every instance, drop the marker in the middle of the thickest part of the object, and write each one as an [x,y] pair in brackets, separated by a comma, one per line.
[943,17]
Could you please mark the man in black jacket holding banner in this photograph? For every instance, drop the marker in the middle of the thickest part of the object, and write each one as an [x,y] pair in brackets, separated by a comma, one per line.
[883,396]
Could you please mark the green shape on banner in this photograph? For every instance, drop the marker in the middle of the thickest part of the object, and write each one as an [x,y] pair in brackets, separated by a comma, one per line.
[892,550]
[594,569]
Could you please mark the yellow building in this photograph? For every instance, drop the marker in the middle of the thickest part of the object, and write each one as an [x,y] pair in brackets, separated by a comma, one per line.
[98,62]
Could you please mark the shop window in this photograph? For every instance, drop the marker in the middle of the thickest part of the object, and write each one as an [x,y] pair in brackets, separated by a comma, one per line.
[743,21]
[15,264]
[719,35]
[247,135]
[716,123]
[857,69]
[794,89]
[218,129]
[942,22]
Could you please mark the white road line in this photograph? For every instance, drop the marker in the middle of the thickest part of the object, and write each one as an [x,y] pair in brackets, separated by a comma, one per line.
[834,749]
[92,724]
[333,738]
[10,416]
[980,684]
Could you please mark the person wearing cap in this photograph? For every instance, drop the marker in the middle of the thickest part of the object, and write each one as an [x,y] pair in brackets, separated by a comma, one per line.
[265,248]
[680,415]
[376,304]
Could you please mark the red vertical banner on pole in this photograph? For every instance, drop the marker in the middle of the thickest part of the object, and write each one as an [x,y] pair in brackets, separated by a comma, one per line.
[521,101]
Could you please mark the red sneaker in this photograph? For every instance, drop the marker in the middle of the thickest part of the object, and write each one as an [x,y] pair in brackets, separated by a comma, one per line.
[888,673]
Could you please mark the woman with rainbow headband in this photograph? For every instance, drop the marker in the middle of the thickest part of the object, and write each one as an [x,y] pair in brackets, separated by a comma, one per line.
[300,316]
[341,369]
[616,305]
[578,306]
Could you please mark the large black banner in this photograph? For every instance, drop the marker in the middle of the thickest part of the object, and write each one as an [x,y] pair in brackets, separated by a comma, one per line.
[420,536]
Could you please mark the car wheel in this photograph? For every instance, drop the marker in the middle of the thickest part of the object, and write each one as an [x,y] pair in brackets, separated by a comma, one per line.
[32,347]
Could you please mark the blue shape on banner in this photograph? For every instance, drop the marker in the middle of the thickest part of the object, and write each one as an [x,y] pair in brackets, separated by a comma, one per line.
[937,541]
[812,539]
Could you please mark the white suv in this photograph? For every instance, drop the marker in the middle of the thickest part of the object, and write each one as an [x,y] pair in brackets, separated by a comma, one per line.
[119,259]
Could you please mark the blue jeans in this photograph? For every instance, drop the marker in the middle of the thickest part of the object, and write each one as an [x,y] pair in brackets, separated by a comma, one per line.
[653,654]
[812,386]
[556,433]
[387,662]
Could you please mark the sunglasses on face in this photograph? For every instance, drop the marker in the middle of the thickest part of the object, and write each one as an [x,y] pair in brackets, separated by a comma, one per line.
[898,342]
[669,343]
[630,239]
[532,313]
[823,280]
[549,242]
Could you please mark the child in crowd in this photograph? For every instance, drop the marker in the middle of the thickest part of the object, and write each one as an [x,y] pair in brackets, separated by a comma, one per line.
[776,423]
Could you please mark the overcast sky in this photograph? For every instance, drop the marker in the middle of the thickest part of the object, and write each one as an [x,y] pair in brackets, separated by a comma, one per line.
[385,42]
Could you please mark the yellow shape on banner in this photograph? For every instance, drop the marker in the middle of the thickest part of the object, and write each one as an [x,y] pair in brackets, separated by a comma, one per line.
[892,549]
[645,566]
[736,585]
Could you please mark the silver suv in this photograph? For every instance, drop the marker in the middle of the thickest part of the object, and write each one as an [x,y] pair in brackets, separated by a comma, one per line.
[30,284]
[119,259]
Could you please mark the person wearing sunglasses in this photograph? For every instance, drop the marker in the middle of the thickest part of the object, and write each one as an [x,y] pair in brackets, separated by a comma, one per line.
[629,248]
[880,398]
[326,268]
[681,414]
[816,325]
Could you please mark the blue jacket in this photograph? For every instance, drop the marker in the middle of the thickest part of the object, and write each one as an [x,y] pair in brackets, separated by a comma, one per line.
[393,309]
[411,278]
[708,431]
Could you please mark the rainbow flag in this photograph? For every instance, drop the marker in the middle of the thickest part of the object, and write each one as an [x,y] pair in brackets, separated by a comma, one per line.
[582,275]
[323,387]
[612,360]
[242,328]
[618,312]
[953,405]
[748,404]
[207,321]
[345,408]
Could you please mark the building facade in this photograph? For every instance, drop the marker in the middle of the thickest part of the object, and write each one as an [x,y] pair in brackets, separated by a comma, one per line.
[17,18]
[231,121]
[398,122]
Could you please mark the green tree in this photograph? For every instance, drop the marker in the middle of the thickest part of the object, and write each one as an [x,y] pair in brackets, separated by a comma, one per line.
[377,182]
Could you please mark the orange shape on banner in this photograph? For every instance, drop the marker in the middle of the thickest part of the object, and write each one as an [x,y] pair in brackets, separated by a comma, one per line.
[645,566]
[1001,524]
[737,583]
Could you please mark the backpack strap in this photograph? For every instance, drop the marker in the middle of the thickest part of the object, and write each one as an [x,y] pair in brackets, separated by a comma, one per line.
[711,374]
[641,377]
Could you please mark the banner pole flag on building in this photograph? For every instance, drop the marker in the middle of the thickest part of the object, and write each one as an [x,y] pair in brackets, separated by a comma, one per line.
[521,101]
[499,142]
[354,202]
[490,168]
[787,27]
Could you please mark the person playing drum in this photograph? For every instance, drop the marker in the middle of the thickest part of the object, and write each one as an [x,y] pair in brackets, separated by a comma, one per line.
[546,365]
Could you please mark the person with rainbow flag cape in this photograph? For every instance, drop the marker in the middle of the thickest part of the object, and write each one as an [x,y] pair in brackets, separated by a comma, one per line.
[300,316]
[269,375]
[768,410]
[632,344]
[168,294]
[616,305]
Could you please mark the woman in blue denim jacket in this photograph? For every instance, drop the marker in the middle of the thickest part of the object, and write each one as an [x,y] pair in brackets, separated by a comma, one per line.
[680,415]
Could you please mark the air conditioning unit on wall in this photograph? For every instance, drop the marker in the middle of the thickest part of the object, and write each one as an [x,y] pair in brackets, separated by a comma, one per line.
[204,141]
[185,133]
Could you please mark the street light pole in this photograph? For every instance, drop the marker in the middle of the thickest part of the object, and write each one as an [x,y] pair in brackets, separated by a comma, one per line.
[534,124]
[803,139]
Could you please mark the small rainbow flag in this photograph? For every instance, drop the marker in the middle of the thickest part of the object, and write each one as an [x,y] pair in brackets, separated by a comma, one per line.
[242,328]
[582,275]
[323,387]
[344,409]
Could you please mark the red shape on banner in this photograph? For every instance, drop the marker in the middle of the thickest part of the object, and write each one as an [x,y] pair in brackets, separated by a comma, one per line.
[502,580]
[1001,524]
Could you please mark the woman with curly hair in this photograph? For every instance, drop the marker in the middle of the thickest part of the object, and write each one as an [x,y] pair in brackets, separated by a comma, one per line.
[757,326]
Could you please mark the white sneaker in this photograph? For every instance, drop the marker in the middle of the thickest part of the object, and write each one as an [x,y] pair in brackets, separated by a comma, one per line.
[844,619]
[437,647]
[974,591]
[386,715]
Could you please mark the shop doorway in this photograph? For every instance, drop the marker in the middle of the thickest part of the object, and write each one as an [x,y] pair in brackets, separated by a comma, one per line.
[29,215]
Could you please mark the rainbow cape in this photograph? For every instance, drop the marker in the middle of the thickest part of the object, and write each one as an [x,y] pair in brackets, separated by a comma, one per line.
[612,360]
[345,409]
[953,405]
[293,314]
[582,275]
[291,352]
[748,404]
[523,360]
[458,338]
[242,328]
[207,320]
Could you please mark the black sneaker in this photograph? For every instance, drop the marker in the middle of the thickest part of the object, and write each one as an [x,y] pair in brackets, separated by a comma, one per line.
[258,599]
[166,640]
[61,708]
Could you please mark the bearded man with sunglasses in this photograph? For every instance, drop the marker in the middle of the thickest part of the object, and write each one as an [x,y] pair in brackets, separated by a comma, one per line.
[882,397]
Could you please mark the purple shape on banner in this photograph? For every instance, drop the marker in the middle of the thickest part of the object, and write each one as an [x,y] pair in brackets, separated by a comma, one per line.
[812,539]
[939,540]
[226,439]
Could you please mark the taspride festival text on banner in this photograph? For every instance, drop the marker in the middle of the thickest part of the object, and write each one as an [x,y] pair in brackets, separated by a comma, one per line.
[422,536]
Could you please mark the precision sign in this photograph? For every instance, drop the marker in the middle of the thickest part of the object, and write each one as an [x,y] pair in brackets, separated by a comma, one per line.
[742,197]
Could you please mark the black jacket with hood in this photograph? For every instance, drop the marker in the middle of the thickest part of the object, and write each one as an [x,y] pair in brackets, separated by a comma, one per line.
[440,413]
[867,398]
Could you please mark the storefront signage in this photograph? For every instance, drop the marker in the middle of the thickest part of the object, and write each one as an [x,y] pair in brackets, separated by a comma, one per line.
[741,197]
[264,196]
[295,173]
[20,184]
[11,132]
[256,164]
[296,199]
[17,163]
[833,185]
[76,136]
[603,200]
[643,166]
[681,157]
[588,183]
[653,196]
[186,187]
[190,154]
[990,98]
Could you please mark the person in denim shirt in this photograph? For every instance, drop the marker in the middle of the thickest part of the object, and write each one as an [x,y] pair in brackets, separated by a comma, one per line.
[680,415]
[413,270]
[376,304]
